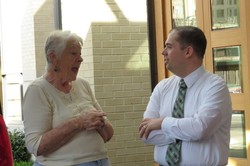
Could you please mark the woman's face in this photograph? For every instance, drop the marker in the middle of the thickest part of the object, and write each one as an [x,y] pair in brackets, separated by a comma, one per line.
[70,61]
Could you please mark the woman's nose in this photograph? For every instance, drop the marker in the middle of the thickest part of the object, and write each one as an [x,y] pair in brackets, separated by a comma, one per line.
[80,59]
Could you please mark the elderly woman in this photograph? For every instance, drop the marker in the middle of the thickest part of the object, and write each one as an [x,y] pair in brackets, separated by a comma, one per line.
[63,122]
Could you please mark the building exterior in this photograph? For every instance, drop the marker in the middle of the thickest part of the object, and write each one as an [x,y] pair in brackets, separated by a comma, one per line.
[116,61]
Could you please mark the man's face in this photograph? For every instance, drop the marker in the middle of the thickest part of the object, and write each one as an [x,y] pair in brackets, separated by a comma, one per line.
[174,54]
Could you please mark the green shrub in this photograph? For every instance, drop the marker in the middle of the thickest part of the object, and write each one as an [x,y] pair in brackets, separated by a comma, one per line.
[24,163]
[19,150]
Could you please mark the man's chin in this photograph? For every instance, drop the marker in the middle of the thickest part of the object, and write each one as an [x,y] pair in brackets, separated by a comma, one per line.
[167,66]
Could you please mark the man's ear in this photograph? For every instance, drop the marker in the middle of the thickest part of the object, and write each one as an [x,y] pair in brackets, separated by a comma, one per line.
[189,51]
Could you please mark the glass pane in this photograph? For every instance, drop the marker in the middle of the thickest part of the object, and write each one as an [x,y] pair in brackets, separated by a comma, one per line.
[238,135]
[225,14]
[183,12]
[227,64]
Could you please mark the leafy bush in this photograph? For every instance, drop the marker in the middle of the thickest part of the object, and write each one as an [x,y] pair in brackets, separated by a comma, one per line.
[24,163]
[19,150]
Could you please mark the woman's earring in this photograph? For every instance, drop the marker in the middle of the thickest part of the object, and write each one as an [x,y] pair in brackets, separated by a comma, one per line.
[56,69]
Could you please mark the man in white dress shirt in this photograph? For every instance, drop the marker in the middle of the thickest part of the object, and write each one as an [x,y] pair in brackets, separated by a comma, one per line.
[204,131]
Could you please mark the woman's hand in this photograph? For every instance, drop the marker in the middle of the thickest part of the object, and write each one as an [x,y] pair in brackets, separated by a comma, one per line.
[106,131]
[91,120]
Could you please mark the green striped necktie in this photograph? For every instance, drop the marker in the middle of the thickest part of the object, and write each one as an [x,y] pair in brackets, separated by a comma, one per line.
[174,149]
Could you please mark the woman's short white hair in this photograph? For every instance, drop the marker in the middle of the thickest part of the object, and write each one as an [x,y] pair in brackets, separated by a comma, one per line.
[56,43]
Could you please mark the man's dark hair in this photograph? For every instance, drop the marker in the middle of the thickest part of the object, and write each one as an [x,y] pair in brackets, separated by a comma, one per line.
[189,35]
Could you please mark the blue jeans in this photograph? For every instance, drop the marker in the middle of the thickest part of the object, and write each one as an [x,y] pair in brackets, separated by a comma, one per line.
[102,162]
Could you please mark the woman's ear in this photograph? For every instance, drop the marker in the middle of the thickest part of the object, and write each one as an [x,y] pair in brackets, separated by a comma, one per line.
[54,61]
[52,58]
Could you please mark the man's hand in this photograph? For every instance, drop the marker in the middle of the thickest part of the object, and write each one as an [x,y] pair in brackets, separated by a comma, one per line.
[149,124]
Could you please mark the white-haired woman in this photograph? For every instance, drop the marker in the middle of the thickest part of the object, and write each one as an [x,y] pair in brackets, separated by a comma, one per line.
[63,122]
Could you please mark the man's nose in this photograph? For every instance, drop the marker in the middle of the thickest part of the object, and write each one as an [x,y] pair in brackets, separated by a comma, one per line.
[164,52]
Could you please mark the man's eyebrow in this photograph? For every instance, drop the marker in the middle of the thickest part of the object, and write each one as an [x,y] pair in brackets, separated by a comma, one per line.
[167,44]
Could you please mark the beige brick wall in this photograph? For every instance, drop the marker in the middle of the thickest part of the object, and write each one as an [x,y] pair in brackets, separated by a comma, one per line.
[43,25]
[38,22]
[116,62]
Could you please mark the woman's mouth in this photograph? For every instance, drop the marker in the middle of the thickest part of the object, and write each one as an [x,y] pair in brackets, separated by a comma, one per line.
[75,69]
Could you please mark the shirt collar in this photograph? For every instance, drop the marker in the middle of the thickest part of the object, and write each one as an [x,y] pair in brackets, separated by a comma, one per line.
[194,76]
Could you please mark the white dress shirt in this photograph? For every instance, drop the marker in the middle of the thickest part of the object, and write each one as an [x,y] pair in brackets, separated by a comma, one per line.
[205,128]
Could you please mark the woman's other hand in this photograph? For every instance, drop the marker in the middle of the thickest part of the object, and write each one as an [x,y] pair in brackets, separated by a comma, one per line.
[91,120]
